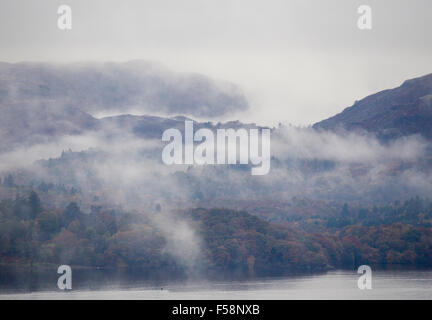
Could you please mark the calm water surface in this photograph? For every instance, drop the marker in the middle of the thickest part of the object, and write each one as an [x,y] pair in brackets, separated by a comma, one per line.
[333,285]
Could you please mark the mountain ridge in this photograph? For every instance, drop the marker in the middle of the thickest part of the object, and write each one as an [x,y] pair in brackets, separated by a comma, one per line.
[389,114]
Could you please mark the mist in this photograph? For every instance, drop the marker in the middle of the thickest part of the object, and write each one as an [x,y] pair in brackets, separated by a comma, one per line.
[55,130]
[102,89]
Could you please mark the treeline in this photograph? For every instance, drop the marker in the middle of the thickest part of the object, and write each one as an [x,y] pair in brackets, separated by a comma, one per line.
[387,245]
[245,244]
[233,243]
[415,211]
[30,234]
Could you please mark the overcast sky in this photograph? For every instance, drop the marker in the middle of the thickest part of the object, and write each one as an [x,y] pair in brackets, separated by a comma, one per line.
[297,61]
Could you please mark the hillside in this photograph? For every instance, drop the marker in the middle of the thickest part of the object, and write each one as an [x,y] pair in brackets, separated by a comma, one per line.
[389,114]
[139,86]
[212,241]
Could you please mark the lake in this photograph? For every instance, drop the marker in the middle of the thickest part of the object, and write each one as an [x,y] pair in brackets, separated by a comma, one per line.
[332,285]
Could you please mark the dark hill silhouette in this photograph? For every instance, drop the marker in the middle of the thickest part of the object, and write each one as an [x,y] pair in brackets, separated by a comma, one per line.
[389,114]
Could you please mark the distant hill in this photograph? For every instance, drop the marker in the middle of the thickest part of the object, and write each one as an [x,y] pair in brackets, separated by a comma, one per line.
[26,123]
[119,87]
[389,114]
[40,102]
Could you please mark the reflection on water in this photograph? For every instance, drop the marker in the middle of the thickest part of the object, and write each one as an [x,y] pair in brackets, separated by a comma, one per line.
[98,284]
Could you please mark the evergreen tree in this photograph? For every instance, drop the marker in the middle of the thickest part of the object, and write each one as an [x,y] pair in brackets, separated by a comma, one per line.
[35,204]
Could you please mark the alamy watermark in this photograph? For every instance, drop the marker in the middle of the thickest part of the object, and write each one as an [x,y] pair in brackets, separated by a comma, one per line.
[364,22]
[365,280]
[64,282]
[64,21]
[227,146]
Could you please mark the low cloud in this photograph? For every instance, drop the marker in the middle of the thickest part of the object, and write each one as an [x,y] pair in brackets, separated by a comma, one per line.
[109,88]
